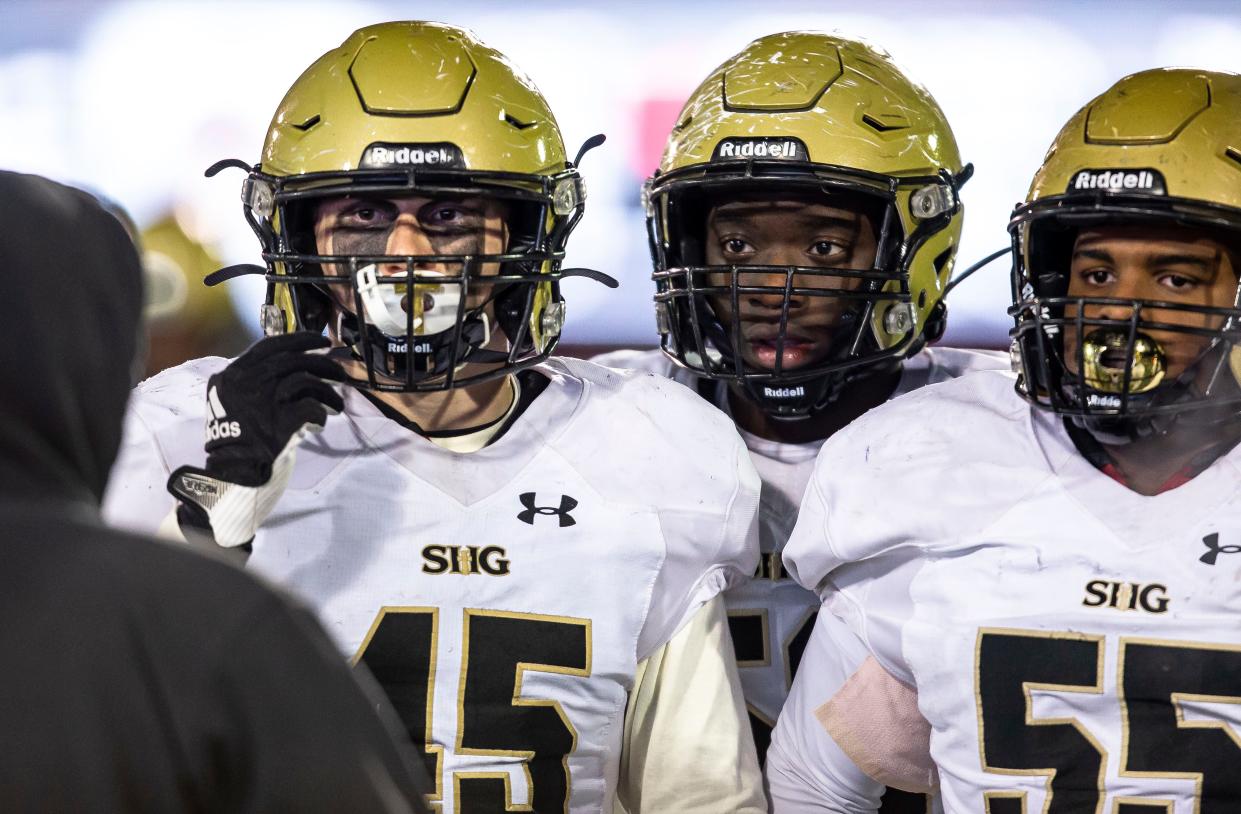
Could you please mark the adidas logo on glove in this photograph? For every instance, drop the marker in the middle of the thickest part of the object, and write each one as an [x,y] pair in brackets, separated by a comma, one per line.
[218,425]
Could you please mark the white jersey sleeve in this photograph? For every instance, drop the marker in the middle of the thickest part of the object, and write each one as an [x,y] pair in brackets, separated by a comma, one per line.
[163,430]
[806,770]
[683,751]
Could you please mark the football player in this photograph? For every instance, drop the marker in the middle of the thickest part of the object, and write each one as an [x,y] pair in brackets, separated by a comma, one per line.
[526,552]
[1050,594]
[804,221]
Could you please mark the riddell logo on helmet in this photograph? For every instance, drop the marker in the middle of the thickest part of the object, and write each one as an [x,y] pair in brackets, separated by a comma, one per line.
[1137,180]
[784,149]
[380,156]
[784,392]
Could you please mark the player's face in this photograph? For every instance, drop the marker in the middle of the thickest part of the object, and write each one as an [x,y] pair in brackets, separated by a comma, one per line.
[787,232]
[1171,264]
[410,226]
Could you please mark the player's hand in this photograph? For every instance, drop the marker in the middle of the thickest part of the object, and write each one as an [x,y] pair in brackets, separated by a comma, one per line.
[258,409]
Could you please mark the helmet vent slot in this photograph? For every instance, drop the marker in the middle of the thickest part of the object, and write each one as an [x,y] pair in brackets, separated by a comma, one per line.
[1234,154]
[309,123]
[881,127]
[516,122]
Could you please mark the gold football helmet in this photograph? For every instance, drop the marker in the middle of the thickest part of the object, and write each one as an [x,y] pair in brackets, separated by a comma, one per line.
[821,116]
[1159,148]
[417,108]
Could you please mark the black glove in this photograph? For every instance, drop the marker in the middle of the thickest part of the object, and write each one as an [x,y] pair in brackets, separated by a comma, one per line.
[256,410]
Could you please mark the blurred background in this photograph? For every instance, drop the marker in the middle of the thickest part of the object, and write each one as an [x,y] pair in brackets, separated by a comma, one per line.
[133,99]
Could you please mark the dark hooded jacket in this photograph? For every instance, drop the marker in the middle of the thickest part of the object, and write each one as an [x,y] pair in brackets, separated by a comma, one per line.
[137,675]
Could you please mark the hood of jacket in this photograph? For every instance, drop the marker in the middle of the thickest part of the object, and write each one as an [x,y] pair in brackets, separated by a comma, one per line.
[71,287]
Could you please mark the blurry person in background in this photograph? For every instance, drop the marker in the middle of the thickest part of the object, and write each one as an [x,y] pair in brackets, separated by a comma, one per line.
[526,551]
[185,319]
[1044,570]
[141,676]
[804,221]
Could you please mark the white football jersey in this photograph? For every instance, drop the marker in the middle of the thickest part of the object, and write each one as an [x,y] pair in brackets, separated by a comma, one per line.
[1075,646]
[503,598]
[770,615]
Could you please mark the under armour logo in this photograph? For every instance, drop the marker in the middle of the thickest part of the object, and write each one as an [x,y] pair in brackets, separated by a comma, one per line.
[567,504]
[1215,549]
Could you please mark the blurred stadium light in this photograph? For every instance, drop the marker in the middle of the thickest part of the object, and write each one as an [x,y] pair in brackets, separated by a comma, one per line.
[134,98]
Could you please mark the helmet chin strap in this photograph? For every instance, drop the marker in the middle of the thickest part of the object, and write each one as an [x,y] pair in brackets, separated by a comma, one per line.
[799,398]
[433,309]
[432,354]
[785,401]
[1121,430]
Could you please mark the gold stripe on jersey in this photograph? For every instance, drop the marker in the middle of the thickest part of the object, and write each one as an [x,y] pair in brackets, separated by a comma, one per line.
[988,796]
[757,713]
[1155,806]
[457,777]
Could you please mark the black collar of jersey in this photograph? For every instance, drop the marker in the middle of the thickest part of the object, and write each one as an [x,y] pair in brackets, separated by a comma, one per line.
[530,382]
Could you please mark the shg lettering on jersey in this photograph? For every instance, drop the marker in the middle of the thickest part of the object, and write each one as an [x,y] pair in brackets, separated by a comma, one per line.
[217,424]
[1136,180]
[1152,597]
[491,560]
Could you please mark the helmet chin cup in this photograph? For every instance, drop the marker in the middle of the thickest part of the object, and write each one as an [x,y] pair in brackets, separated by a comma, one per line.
[385,302]
[787,401]
[430,355]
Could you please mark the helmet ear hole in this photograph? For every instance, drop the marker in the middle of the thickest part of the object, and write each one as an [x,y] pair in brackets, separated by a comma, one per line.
[314,307]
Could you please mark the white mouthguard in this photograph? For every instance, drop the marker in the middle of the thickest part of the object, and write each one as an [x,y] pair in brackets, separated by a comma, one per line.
[434,306]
